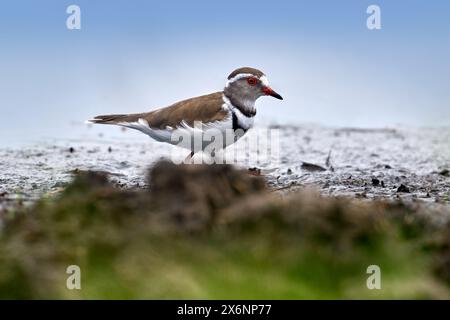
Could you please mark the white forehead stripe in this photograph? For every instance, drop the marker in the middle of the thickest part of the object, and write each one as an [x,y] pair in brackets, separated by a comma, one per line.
[263,78]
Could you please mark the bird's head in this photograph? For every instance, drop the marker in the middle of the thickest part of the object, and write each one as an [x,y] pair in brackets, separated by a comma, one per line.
[245,85]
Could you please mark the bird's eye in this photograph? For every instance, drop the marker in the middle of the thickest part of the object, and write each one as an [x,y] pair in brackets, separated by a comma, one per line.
[251,81]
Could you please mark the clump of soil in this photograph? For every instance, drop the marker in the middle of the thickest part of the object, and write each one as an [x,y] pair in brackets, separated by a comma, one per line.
[193,195]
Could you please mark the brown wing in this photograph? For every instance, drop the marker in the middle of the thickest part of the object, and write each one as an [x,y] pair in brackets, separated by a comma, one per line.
[205,108]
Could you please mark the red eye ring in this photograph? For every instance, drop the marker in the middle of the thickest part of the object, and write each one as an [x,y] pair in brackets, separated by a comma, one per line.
[251,81]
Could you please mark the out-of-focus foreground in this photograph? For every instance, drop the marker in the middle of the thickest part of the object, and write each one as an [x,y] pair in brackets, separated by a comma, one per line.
[215,232]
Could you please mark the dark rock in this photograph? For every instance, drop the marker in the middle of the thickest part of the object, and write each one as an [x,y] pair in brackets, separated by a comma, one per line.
[71,150]
[375,182]
[289,171]
[312,167]
[403,188]
[387,167]
[445,173]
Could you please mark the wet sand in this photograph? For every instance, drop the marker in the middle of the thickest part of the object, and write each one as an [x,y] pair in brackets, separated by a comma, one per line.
[407,163]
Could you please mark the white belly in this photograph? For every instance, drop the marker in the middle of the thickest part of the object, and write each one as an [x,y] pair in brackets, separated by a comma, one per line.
[216,135]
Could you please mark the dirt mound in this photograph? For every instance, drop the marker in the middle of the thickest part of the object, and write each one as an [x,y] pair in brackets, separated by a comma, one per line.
[193,195]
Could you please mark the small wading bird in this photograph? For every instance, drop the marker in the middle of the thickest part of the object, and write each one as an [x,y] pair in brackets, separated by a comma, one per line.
[232,109]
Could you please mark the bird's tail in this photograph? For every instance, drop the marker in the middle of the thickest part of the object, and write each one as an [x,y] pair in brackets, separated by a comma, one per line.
[115,118]
[135,121]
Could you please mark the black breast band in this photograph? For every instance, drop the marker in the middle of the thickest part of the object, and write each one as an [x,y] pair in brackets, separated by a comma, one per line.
[236,125]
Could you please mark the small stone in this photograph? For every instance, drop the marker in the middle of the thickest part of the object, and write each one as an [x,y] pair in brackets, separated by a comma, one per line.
[289,171]
[361,195]
[375,182]
[403,188]
[254,171]
[71,150]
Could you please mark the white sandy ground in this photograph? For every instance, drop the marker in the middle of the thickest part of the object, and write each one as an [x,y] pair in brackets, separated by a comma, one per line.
[409,156]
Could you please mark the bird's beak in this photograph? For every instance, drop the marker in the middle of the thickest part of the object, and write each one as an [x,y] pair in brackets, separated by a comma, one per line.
[270,92]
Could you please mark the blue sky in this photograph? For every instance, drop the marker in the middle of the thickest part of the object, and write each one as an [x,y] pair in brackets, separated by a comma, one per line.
[133,56]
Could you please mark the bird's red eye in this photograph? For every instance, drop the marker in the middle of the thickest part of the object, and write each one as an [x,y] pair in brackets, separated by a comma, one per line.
[251,81]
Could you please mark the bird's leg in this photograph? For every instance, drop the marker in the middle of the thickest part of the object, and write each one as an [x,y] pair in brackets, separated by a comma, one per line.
[189,159]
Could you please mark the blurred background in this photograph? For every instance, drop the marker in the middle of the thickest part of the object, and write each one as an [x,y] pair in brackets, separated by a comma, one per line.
[133,56]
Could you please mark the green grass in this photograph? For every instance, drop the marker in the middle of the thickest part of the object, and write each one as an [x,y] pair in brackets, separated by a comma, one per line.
[233,269]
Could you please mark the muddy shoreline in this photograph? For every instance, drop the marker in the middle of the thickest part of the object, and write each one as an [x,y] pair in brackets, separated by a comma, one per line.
[387,164]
